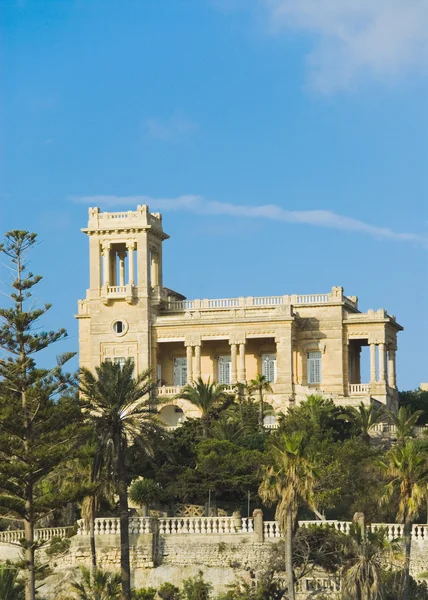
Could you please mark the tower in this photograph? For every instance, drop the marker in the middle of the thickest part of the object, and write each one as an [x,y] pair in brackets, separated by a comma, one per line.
[125,286]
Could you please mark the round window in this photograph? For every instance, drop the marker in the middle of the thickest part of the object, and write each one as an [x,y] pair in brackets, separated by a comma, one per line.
[120,327]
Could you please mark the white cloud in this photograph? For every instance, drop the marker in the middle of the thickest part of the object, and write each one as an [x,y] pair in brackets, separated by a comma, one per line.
[168,129]
[200,205]
[357,38]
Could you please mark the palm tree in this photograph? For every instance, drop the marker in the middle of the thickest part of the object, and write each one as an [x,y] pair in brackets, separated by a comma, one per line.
[364,418]
[406,465]
[10,587]
[289,481]
[97,585]
[364,555]
[122,411]
[144,492]
[210,398]
[404,421]
[260,385]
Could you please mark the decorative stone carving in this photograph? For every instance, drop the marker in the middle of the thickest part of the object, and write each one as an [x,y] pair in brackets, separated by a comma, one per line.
[193,339]
[237,338]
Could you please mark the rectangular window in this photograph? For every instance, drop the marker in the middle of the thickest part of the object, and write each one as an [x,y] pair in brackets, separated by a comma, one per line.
[269,367]
[313,367]
[224,370]
[180,371]
[118,360]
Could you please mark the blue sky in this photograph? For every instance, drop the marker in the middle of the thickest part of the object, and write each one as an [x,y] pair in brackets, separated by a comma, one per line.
[285,141]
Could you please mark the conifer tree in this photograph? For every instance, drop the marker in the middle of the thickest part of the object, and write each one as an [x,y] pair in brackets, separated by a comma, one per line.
[39,418]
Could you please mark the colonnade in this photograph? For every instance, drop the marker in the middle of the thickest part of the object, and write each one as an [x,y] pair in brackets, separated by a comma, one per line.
[237,359]
[387,370]
[110,256]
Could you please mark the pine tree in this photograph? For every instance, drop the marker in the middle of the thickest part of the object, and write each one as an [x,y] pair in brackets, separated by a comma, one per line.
[40,426]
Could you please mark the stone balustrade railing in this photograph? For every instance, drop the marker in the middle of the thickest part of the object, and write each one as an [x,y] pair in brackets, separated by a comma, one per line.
[255,302]
[203,526]
[45,534]
[390,429]
[111,526]
[359,388]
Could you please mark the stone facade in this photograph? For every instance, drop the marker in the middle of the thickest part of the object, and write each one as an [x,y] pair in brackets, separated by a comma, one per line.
[302,343]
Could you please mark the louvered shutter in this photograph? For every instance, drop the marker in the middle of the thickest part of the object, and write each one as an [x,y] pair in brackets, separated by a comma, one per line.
[313,367]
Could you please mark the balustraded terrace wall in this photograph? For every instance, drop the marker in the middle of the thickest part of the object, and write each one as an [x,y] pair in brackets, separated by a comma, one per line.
[172,549]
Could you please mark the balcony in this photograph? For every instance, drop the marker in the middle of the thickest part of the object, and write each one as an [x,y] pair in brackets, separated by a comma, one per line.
[169,391]
[119,292]
[215,304]
[359,389]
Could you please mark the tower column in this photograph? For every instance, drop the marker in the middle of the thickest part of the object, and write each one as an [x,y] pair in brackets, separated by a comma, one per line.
[382,363]
[372,363]
[391,369]
[106,265]
[130,249]
[121,256]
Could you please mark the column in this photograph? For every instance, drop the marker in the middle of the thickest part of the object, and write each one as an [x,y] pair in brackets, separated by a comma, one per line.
[154,269]
[358,365]
[233,355]
[106,269]
[372,363]
[197,362]
[130,248]
[391,369]
[382,363]
[189,356]
[121,255]
[242,375]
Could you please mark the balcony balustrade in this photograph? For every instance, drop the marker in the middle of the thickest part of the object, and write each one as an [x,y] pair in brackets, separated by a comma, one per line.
[177,306]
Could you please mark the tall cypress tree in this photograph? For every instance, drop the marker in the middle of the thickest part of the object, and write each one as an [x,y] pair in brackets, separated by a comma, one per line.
[40,422]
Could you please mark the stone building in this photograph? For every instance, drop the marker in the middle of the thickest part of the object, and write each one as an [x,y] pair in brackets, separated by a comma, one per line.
[303,344]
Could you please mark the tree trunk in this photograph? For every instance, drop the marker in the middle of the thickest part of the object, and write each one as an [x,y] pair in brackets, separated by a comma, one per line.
[407,549]
[125,569]
[289,556]
[30,580]
[261,417]
[92,534]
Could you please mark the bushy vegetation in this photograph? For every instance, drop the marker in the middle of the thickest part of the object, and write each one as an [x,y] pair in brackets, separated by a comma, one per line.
[81,440]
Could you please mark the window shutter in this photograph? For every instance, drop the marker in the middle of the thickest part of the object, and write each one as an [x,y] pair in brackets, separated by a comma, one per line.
[313,367]
[224,370]
[180,371]
[269,367]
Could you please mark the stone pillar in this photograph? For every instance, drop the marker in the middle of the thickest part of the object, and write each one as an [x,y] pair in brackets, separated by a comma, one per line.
[233,354]
[131,276]
[372,363]
[121,256]
[284,359]
[106,266]
[242,374]
[197,362]
[258,524]
[189,356]
[391,369]
[358,365]
[382,362]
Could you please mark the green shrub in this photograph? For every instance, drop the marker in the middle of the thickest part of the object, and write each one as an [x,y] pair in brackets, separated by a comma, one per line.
[144,594]
[195,588]
[58,546]
[168,591]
